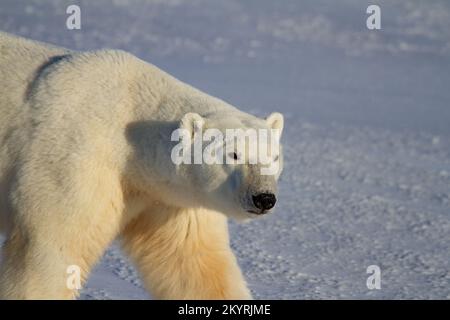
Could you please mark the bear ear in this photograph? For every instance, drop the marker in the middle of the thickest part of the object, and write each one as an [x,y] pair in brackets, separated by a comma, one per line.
[275,121]
[193,122]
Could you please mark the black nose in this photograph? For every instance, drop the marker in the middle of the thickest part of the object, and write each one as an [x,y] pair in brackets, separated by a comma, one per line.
[264,201]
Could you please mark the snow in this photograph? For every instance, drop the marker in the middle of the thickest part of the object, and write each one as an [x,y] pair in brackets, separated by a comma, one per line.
[367,138]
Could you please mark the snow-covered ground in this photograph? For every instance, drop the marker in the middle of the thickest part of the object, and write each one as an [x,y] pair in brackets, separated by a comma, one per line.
[367,138]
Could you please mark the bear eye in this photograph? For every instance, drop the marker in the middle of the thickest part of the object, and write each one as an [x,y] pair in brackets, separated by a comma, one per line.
[233,155]
[276,158]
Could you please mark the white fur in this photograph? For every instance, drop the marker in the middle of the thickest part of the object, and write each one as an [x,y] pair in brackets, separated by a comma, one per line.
[85,158]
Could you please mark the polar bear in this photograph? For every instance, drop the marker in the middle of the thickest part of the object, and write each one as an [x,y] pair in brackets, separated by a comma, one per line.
[85,159]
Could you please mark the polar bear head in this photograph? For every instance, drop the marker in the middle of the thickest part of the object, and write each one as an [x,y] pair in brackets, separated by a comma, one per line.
[228,162]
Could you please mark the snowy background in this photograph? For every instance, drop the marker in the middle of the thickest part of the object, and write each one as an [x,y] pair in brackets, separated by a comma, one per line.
[367,138]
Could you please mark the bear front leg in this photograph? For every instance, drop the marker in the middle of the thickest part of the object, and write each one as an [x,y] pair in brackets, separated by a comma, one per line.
[49,267]
[185,254]
[49,253]
[32,270]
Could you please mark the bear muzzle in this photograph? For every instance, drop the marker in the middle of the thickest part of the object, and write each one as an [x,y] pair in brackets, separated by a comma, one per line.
[264,202]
